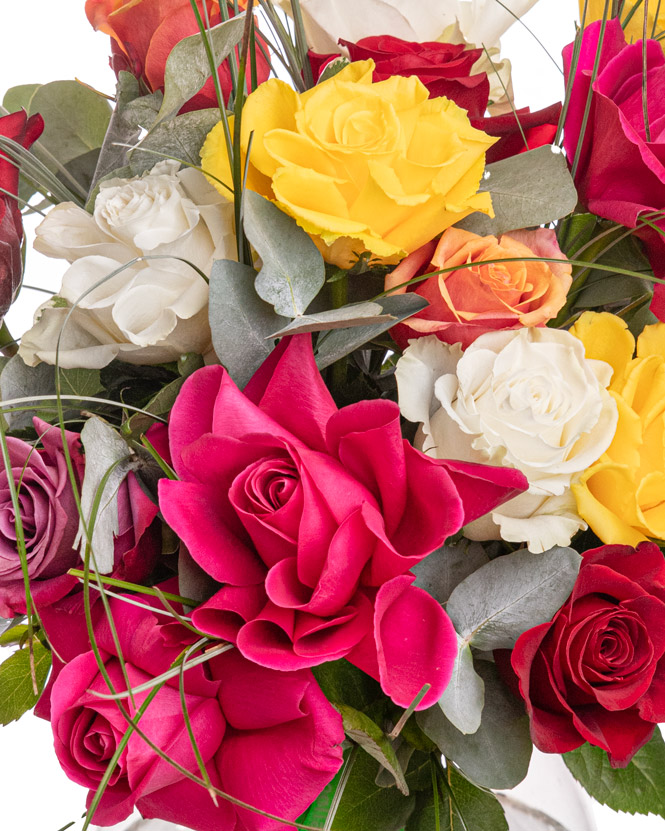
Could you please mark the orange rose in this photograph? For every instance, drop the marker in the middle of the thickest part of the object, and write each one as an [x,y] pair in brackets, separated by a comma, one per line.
[143,33]
[469,302]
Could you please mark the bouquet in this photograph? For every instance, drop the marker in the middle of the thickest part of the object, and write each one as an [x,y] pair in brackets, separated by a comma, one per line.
[334,470]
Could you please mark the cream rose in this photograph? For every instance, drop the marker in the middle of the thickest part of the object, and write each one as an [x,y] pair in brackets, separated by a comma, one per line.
[527,399]
[148,312]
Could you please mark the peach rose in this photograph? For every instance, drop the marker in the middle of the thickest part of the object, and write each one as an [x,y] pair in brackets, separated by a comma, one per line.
[469,302]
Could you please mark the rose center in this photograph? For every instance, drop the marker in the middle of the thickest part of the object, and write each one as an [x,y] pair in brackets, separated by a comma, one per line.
[271,484]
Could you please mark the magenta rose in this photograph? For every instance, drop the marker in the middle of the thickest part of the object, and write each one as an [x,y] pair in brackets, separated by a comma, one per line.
[267,738]
[512,128]
[596,671]
[311,517]
[621,174]
[50,523]
[24,131]
[444,68]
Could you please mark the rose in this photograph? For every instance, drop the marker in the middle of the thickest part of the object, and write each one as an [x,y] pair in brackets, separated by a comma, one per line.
[469,302]
[268,738]
[537,128]
[361,166]
[311,518]
[527,399]
[144,32]
[50,523]
[634,27]
[596,672]
[23,130]
[151,311]
[483,21]
[446,69]
[621,496]
[620,174]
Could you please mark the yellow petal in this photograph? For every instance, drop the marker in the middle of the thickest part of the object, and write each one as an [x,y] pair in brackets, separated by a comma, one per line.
[606,338]
[606,501]
[652,341]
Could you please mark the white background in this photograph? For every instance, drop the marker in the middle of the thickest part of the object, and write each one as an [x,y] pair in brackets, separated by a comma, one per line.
[47,40]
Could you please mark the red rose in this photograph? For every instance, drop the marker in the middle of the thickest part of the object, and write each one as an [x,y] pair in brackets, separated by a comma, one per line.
[270,739]
[444,68]
[596,671]
[620,174]
[539,128]
[311,517]
[24,131]
[144,32]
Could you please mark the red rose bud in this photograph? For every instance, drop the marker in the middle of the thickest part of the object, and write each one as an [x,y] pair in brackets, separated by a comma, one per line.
[620,174]
[537,128]
[24,131]
[444,68]
[144,32]
[596,671]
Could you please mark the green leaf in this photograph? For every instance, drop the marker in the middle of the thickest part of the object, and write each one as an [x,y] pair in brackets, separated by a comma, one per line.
[160,404]
[332,346]
[469,810]
[532,188]
[493,606]
[355,314]
[11,631]
[463,699]
[181,139]
[343,683]
[365,732]
[497,755]
[636,789]
[240,321]
[332,68]
[19,381]
[365,806]
[188,67]
[317,812]
[293,272]
[444,569]
[16,693]
[19,97]
[83,382]
[76,118]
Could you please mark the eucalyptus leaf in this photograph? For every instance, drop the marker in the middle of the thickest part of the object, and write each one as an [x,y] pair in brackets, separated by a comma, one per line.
[20,381]
[497,755]
[335,344]
[83,382]
[361,729]
[240,321]
[355,314]
[638,788]
[463,699]
[104,449]
[367,807]
[293,271]
[529,189]
[16,692]
[444,569]
[188,68]
[493,606]
[19,97]
[180,139]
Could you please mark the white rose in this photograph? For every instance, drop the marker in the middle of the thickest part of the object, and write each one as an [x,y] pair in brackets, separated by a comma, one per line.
[149,312]
[527,399]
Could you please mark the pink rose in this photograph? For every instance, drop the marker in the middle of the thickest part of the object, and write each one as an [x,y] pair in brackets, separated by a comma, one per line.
[620,174]
[270,739]
[469,302]
[312,516]
[50,523]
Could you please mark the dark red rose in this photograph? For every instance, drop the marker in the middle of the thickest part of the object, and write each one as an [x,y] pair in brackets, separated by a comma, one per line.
[621,171]
[596,671]
[24,131]
[539,128]
[444,68]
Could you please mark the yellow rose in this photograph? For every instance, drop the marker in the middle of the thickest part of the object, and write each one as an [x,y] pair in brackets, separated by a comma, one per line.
[361,166]
[622,495]
[635,28]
